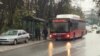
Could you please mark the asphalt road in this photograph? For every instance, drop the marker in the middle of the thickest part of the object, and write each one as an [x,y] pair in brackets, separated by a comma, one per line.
[87,46]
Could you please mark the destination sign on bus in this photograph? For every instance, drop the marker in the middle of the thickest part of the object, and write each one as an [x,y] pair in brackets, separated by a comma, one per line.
[59,20]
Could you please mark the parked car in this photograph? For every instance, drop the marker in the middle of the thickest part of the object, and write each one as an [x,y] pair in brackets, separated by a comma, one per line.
[98,31]
[14,37]
[94,27]
[89,29]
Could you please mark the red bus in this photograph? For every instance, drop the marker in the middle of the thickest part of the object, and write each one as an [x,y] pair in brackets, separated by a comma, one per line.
[67,26]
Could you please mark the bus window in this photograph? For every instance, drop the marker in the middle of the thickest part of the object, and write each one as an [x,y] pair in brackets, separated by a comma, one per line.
[70,24]
[74,26]
[60,27]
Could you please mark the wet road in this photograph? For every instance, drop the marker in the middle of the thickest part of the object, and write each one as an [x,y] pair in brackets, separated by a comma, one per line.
[87,46]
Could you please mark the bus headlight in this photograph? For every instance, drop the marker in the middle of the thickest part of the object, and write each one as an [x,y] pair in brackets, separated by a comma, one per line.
[50,36]
[68,35]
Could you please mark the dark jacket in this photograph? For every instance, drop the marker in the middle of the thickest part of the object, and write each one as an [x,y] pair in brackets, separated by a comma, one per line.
[37,31]
[45,31]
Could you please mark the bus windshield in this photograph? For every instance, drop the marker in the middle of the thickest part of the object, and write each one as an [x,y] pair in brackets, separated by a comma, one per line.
[60,27]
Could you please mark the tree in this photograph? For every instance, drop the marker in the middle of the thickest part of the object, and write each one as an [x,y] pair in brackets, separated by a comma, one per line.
[98,6]
[11,11]
[77,11]
[63,7]
[8,11]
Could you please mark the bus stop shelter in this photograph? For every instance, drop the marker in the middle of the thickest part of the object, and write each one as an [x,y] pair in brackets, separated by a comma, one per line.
[30,23]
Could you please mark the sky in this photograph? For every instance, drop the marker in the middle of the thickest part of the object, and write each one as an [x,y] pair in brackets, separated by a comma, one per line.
[57,1]
[86,5]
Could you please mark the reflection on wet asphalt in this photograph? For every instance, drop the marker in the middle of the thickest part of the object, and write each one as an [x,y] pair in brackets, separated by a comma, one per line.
[42,49]
[76,49]
[87,46]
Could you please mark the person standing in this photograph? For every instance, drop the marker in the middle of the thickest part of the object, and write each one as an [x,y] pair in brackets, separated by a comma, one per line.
[37,33]
[45,33]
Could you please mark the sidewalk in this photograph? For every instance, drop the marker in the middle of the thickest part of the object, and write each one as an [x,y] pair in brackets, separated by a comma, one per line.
[4,48]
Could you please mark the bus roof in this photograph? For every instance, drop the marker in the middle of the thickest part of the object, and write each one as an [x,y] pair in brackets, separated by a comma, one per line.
[70,16]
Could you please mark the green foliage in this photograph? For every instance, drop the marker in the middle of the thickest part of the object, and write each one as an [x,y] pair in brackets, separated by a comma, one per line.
[77,11]
[64,7]
[97,6]
[13,10]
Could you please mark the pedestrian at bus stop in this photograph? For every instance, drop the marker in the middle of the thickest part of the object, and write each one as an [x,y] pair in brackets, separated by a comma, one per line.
[37,33]
[45,33]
